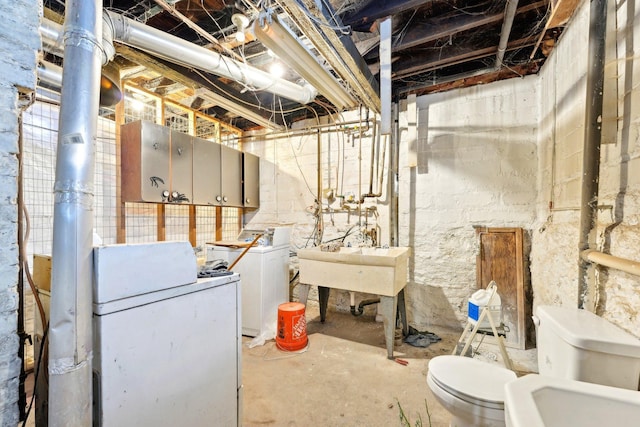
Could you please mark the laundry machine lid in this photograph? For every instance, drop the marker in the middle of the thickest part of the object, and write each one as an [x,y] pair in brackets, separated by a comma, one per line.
[472,380]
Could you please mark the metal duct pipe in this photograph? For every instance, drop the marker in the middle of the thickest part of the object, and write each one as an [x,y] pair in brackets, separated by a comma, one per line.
[509,14]
[70,326]
[606,260]
[179,51]
[592,139]
[50,74]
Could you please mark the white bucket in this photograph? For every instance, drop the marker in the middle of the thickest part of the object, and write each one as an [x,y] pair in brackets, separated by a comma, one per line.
[479,300]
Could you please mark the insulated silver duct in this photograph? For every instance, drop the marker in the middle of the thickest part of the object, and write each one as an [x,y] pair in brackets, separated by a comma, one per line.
[70,325]
[179,51]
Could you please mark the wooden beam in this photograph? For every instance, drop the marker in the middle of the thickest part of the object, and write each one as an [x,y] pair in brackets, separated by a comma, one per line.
[560,15]
[161,229]
[434,61]
[218,235]
[121,209]
[488,77]
[192,226]
[374,10]
[433,29]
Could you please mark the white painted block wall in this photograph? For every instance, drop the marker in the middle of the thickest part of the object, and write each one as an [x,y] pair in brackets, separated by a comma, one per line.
[554,256]
[477,166]
[19,41]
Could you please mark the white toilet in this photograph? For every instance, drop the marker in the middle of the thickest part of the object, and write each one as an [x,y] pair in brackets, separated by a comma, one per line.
[572,343]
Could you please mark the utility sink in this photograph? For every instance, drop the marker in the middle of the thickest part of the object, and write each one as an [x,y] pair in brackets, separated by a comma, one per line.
[539,401]
[372,270]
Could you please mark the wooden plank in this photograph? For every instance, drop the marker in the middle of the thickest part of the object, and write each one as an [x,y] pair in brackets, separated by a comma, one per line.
[218,235]
[161,231]
[192,225]
[425,63]
[121,215]
[434,29]
[560,15]
[501,259]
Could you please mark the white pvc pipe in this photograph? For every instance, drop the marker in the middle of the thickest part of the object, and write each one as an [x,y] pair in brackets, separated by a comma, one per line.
[606,260]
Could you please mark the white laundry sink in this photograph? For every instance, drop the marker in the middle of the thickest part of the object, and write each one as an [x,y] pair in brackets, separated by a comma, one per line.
[539,401]
[372,270]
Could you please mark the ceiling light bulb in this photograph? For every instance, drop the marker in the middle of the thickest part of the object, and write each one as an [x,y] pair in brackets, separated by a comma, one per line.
[240,37]
[276,70]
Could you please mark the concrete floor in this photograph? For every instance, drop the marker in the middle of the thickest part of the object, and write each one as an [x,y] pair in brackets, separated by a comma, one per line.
[345,379]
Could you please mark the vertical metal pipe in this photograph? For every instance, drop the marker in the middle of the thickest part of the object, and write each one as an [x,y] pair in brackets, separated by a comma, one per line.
[393,178]
[592,139]
[70,333]
[507,23]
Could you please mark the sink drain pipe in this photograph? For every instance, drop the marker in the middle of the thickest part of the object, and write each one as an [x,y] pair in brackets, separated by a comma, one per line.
[358,311]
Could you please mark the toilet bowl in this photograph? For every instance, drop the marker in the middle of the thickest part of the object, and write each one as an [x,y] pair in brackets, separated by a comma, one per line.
[472,391]
[572,344]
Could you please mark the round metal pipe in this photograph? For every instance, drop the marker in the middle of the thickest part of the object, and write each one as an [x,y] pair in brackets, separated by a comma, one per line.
[177,50]
[70,326]
[606,260]
[592,140]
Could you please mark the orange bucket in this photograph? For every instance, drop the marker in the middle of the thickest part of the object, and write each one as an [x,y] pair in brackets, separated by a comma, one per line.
[292,327]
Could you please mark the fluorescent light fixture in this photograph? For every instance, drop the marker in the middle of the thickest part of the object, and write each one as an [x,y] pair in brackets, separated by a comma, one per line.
[278,38]
[237,108]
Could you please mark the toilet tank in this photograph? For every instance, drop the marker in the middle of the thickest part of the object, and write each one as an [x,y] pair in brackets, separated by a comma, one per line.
[577,344]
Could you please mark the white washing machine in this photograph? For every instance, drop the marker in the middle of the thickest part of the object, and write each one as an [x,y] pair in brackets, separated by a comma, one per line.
[167,346]
[264,272]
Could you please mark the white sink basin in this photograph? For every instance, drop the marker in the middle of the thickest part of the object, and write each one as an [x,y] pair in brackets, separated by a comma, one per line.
[372,270]
[539,401]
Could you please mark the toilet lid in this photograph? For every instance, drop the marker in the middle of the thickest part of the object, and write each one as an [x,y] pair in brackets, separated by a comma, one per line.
[477,382]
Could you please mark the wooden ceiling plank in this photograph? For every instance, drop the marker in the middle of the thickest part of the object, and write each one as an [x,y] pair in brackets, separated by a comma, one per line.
[434,29]
[436,60]
[562,11]
[379,9]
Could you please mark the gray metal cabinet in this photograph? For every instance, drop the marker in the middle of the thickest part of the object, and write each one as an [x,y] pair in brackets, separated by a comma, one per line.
[145,162]
[231,168]
[181,168]
[251,180]
[217,174]
[206,172]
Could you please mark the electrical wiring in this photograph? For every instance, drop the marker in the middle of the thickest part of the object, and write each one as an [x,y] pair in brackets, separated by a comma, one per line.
[344,30]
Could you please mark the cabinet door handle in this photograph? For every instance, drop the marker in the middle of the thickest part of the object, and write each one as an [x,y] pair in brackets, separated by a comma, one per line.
[225,199]
[218,198]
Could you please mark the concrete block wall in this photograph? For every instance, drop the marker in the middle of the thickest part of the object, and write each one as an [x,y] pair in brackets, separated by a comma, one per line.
[562,82]
[19,42]
[554,257]
[618,293]
[477,166]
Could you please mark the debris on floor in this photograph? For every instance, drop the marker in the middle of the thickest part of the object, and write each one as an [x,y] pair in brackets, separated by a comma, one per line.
[418,338]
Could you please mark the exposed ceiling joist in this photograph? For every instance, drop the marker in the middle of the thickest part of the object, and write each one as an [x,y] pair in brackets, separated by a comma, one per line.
[436,28]
[374,10]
